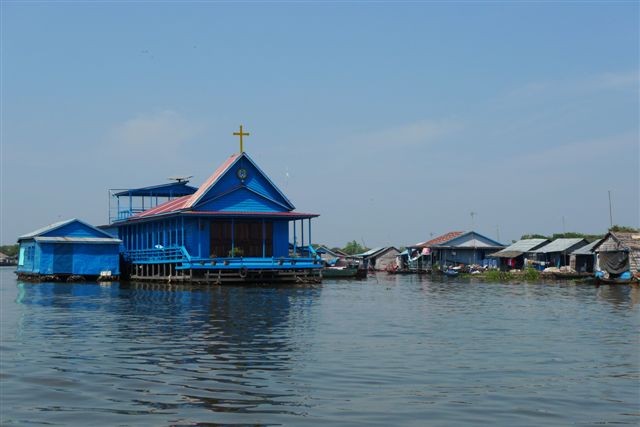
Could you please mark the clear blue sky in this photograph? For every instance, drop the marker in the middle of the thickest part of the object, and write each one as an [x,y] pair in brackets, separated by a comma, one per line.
[391,120]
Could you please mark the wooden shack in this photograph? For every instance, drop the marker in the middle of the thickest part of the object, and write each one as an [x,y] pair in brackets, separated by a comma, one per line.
[618,253]
[379,259]
[583,259]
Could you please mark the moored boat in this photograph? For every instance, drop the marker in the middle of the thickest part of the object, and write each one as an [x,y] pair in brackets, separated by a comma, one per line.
[349,272]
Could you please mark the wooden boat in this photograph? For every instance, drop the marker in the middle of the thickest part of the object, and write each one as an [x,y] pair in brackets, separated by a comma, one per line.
[567,275]
[408,271]
[342,272]
[616,281]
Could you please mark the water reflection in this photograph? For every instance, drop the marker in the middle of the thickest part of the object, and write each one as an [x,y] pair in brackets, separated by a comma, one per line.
[226,349]
[387,351]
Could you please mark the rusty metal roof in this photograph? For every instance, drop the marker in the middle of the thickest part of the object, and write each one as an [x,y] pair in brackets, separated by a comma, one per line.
[440,239]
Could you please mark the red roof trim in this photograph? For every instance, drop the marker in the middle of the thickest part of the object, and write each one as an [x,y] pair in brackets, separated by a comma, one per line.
[225,213]
[440,239]
[212,180]
[170,206]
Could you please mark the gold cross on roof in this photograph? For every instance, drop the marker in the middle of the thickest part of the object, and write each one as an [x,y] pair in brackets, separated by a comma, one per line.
[241,134]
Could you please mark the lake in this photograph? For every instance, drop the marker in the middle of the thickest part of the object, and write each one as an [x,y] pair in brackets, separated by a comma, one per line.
[389,350]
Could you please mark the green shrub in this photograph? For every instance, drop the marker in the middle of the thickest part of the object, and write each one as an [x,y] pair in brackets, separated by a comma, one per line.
[531,274]
[498,276]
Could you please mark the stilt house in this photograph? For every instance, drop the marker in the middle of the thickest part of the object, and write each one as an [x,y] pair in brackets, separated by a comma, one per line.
[235,227]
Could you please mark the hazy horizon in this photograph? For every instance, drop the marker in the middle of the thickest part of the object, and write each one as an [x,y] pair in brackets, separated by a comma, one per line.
[392,121]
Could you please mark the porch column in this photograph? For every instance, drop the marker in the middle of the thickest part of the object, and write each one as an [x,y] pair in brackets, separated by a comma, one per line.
[302,234]
[264,239]
[295,238]
[309,222]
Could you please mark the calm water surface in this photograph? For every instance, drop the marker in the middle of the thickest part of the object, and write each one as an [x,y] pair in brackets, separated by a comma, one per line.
[387,351]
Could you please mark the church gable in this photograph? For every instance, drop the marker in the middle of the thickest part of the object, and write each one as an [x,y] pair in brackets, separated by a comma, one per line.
[241,174]
[240,199]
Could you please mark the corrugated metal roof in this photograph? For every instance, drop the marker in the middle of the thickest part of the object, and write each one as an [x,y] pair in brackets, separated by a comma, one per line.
[440,239]
[172,188]
[519,247]
[558,245]
[376,251]
[211,180]
[170,206]
[586,250]
[93,240]
[47,228]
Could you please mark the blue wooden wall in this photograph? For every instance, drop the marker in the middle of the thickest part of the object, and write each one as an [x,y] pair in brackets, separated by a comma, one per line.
[70,258]
[74,229]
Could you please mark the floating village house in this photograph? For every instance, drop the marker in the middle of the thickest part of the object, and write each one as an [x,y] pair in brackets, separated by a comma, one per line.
[513,256]
[583,259]
[379,258]
[459,247]
[618,254]
[558,252]
[235,227]
[68,248]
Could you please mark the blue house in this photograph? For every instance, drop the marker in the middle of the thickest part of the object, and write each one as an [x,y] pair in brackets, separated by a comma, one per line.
[68,248]
[236,226]
[459,247]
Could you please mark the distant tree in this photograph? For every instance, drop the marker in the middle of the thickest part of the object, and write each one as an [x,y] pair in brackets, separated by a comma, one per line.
[624,229]
[11,250]
[354,247]
[534,236]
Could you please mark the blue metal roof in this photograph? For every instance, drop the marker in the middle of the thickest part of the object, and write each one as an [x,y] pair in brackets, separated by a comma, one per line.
[172,189]
[58,225]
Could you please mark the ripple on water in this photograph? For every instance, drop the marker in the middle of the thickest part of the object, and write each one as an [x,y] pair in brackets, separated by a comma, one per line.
[387,351]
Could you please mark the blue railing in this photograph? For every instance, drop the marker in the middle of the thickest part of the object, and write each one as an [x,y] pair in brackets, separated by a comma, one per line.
[179,255]
[158,255]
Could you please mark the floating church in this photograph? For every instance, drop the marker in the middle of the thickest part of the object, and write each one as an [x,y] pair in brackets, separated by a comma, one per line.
[236,227]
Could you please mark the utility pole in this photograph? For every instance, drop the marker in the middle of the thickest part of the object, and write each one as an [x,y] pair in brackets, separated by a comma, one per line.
[563,227]
[610,211]
[498,233]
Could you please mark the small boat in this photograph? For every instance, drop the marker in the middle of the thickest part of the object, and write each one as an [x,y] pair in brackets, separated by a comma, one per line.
[342,272]
[571,275]
[616,281]
[450,272]
[625,278]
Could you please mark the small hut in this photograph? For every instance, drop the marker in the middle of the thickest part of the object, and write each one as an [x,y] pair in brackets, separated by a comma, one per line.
[618,253]
[380,259]
[557,253]
[513,257]
[68,248]
[582,260]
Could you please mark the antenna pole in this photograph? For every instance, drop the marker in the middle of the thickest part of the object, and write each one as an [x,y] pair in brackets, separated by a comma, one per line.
[610,211]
